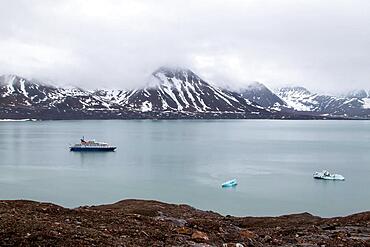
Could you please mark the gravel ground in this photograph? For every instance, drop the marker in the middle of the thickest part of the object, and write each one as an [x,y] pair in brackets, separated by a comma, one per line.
[152,223]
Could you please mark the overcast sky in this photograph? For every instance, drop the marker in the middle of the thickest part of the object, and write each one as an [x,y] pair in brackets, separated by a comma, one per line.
[323,45]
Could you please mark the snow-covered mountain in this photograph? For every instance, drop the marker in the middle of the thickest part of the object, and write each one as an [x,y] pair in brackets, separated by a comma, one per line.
[298,98]
[174,89]
[260,94]
[17,91]
[171,93]
[360,94]
[21,98]
[355,105]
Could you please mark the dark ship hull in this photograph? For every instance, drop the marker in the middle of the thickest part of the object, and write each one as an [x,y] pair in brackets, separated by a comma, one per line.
[92,149]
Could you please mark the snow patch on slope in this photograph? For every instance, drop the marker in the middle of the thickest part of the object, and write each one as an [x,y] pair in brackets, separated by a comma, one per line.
[23,89]
[366,102]
[9,80]
[146,106]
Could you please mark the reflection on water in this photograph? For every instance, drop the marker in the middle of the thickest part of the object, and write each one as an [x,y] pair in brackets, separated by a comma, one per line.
[90,158]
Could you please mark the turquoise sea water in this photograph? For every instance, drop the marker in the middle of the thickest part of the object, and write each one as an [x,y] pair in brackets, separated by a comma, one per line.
[186,162]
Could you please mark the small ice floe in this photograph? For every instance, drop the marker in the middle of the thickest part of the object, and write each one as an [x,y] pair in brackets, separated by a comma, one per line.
[17,120]
[327,176]
[230,183]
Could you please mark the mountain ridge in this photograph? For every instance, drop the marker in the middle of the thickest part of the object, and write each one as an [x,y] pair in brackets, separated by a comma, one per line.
[302,100]
[172,93]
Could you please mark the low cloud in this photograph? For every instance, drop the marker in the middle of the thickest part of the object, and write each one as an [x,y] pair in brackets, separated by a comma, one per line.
[323,45]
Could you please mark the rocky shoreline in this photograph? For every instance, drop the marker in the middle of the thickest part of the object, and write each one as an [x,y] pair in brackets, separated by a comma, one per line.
[152,223]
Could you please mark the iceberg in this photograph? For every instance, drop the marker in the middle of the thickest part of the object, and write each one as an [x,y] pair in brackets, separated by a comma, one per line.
[327,176]
[230,183]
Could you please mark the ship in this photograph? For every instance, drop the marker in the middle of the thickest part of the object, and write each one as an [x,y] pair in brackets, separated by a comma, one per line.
[92,145]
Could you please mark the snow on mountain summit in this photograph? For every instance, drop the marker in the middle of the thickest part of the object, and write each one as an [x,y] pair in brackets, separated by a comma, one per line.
[176,89]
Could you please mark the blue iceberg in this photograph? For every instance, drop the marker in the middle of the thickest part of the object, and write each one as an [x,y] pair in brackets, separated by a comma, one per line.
[230,183]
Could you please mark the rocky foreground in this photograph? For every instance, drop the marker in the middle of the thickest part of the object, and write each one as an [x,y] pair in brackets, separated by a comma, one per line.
[152,223]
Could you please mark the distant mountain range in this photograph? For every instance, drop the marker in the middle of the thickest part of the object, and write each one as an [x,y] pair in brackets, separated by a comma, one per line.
[174,93]
[355,104]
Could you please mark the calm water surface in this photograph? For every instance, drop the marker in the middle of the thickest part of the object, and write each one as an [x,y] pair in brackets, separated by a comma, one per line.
[186,162]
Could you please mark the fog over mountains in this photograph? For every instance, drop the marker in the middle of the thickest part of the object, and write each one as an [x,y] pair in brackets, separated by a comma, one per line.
[322,45]
[174,93]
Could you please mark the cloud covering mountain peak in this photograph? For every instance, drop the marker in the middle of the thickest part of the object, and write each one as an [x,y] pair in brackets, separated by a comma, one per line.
[112,43]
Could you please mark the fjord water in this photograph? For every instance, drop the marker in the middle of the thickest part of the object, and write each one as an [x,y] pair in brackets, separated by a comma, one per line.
[186,161]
